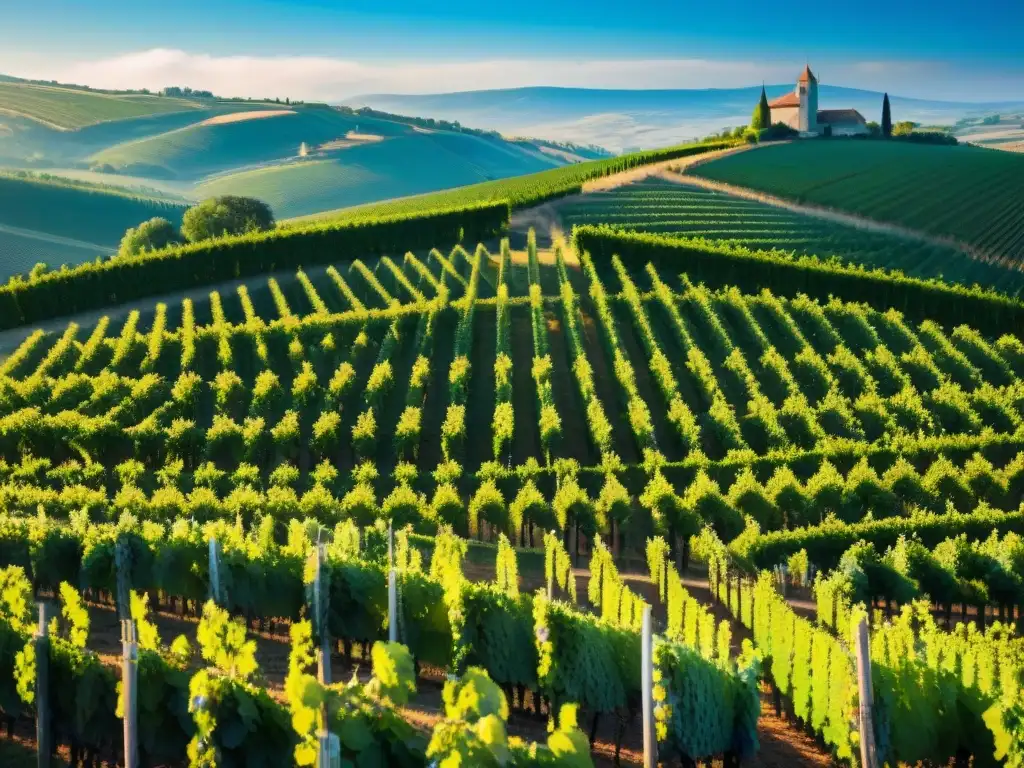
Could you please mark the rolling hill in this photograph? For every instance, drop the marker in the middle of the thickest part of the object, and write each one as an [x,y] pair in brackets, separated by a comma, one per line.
[972,195]
[300,158]
[60,222]
[229,143]
[396,167]
[71,108]
[620,119]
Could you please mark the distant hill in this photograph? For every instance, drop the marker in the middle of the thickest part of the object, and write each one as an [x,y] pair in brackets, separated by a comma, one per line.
[300,158]
[61,222]
[621,119]
[70,108]
[398,165]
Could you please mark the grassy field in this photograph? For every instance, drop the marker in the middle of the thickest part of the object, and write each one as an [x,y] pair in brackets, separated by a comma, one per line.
[396,167]
[970,194]
[20,251]
[671,209]
[203,149]
[71,108]
[76,211]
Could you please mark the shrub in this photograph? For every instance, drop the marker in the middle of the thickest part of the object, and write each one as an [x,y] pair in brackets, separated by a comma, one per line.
[226,215]
[151,235]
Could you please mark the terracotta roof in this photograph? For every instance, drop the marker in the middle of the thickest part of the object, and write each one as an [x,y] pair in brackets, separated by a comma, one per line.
[789,100]
[807,75]
[832,116]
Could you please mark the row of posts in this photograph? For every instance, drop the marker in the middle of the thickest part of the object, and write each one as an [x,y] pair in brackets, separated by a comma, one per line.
[330,753]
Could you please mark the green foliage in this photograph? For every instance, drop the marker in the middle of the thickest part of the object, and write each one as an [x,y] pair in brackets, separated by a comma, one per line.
[362,715]
[835,174]
[226,215]
[762,117]
[152,235]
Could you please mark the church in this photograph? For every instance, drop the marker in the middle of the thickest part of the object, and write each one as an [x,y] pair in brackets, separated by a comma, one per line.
[799,110]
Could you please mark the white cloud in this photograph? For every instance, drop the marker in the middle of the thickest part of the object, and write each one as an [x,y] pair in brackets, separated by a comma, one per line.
[333,79]
[311,77]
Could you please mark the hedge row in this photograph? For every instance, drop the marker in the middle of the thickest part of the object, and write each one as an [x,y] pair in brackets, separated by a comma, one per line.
[97,284]
[751,271]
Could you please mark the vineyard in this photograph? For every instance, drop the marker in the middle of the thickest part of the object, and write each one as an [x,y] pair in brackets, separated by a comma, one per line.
[520,191]
[965,193]
[757,420]
[667,208]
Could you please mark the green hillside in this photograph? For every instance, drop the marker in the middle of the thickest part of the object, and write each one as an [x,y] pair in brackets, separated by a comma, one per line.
[203,149]
[72,108]
[20,251]
[404,165]
[519,191]
[77,211]
[973,195]
[667,208]
[198,150]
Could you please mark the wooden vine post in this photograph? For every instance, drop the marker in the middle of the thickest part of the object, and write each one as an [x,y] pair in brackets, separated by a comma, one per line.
[44,744]
[329,744]
[647,690]
[392,590]
[129,654]
[215,590]
[865,693]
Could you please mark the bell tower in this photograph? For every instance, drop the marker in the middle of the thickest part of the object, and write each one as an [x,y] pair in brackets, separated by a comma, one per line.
[807,90]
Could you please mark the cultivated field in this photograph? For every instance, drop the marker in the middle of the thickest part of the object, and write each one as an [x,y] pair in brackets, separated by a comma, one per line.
[370,171]
[671,417]
[968,194]
[668,208]
[519,192]
[22,249]
[514,393]
[641,359]
[70,108]
[77,211]
[217,146]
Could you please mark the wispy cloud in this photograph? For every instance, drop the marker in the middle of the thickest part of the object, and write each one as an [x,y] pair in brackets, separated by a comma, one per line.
[310,77]
[332,79]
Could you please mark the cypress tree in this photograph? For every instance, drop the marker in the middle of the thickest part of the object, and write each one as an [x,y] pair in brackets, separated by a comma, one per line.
[886,117]
[762,117]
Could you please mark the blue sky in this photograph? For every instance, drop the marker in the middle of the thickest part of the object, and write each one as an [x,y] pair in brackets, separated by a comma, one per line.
[324,49]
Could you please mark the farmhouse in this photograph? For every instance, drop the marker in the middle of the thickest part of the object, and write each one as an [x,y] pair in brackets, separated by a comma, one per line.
[799,110]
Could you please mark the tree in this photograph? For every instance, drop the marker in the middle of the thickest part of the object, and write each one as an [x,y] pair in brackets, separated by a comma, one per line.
[762,117]
[226,215]
[874,129]
[886,117]
[150,235]
[903,128]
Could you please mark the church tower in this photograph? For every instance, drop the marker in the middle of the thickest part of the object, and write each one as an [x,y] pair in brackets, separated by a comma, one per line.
[807,90]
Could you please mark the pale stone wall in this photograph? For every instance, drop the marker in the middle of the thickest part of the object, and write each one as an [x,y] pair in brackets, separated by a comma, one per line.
[788,115]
